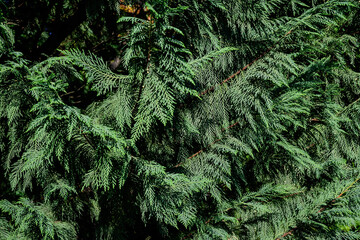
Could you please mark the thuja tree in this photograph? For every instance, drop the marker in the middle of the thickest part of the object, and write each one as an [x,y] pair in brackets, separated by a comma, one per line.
[221,120]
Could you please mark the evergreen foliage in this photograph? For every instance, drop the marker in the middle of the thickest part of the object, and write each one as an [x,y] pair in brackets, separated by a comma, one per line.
[216,120]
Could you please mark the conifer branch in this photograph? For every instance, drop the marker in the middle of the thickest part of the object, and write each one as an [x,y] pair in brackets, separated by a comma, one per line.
[245,67]
[323,208]
[87,139]
[242,183]
[147,67]
[217,140]
[347,107]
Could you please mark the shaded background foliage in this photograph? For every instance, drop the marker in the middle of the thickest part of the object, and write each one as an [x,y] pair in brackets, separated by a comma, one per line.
[174,119]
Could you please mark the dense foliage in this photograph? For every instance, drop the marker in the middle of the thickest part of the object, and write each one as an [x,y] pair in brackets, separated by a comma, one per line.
[180,119]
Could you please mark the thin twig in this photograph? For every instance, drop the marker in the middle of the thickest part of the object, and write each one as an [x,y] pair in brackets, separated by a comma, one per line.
[348,106]
[71,92]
